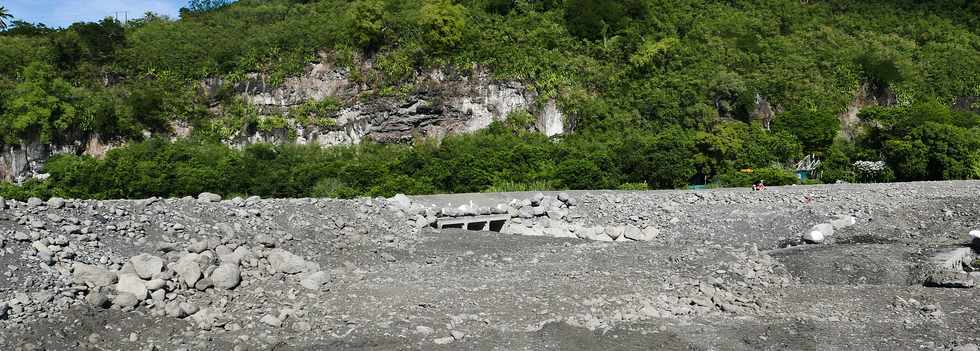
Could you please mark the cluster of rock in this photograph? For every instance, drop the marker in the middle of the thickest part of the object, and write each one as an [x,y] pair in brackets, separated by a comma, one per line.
[539,215]
[191,280]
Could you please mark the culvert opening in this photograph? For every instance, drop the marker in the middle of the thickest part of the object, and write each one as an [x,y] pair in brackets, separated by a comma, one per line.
[493,223]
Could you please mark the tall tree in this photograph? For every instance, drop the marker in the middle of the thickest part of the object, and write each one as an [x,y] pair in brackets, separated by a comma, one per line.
[4,16]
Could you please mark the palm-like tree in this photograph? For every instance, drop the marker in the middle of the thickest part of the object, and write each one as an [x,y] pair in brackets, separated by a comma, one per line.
[4,16]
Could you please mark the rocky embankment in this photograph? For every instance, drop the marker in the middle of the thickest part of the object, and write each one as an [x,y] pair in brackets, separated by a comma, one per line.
[889,266]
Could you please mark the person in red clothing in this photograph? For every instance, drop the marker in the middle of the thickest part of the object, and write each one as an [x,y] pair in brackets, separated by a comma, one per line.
[759,186]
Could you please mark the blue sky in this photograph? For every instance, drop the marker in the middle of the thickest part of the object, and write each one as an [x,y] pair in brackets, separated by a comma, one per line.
[61,13]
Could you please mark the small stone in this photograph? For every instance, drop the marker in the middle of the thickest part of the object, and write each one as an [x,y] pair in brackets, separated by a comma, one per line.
[188,308]
[537,198]
[146,265]
[34,202]
[271,321]
[3,310]
[457,335]
[843,222]
[204,284]
[302,327]
[265,240]
[208,197]
[443,341]
[967,347]
[97,299]
[423,330]
[56,202]
[563,197]
[198,246]
[173,310]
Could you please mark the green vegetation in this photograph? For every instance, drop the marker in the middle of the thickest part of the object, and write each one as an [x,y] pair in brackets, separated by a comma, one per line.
[661,93]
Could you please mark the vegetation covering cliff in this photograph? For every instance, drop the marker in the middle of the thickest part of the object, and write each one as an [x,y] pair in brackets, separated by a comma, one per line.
[657,93]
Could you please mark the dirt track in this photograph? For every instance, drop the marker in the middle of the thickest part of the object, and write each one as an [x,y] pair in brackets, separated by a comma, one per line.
[728,271]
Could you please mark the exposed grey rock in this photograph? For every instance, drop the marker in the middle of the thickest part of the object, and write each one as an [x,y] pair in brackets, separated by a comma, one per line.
[818,233]
[265,240]
[444,340]
[3,203]
[537,198]
[131,283]
[93,275]
[646,234]
[204,284]
[173,310]
[538,211]
[3,310]
[286,262]
[953,260]
[198,245]
[34,202]
[146,265]
[227,276]
[97,299]
[814,236]
[401,202]
[155,284]
[843,222]
[967,347]
[188,308]
[56,202]
[271,321]
[614,232]
[208,197]
[125,299]
[188,269]
[563,197]
[315,281]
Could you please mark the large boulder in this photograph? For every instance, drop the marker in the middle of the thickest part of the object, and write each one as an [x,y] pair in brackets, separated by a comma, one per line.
[188,269]
[93,275]
[146,265]
[227,276]
[132,284]
[286,262]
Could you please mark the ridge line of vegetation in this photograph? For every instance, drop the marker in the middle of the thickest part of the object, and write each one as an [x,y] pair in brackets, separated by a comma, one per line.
[662,93]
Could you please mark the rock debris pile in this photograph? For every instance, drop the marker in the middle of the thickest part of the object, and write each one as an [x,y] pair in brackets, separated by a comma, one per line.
[890,266]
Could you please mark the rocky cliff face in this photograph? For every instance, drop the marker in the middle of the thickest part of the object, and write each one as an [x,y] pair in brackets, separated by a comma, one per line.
[438,105]
[26,160]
